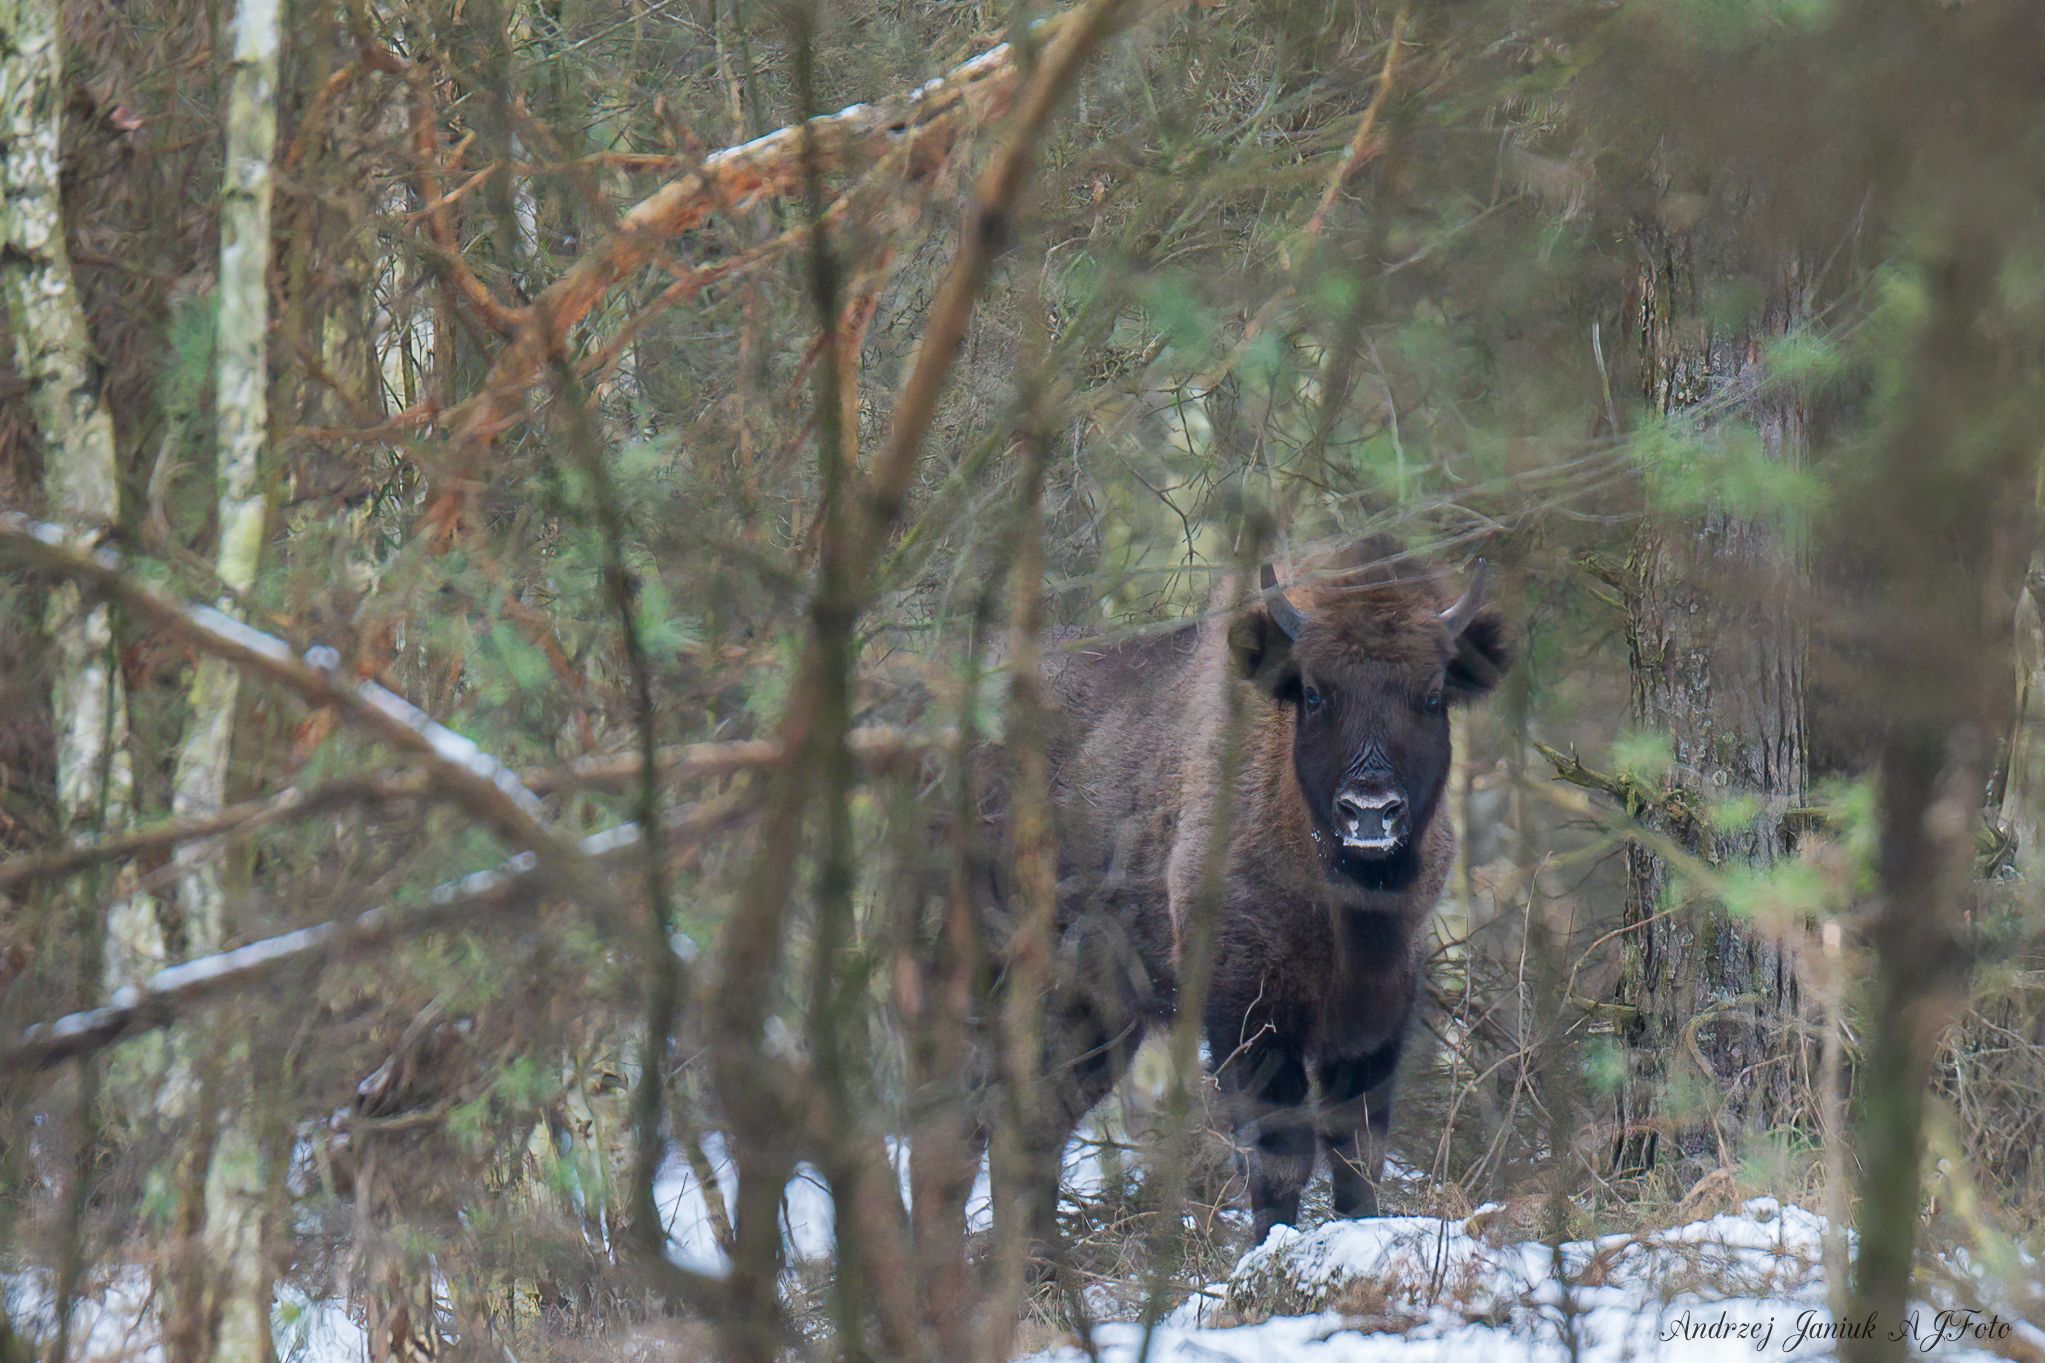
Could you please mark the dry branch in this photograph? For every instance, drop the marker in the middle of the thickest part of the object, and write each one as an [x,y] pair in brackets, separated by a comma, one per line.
[776,165]
[876,749]
[879,748]
[751,947]
[1364,147]
[1364,144]
[249,815]
[1640,800]
[1067,42]
[445,252]
[1677,810]
[474,779]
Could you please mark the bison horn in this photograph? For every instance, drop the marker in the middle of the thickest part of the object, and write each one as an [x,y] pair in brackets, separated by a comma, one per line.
[1459,616]
[1279,607]
[1281,610]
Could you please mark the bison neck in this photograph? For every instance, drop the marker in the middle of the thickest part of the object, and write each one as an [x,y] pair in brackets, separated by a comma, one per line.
[1391,875]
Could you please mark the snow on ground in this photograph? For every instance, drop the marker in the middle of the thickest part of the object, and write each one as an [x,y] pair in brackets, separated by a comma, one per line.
[807,1211]
[1402,1289]
[1411,1289]
[114,1320]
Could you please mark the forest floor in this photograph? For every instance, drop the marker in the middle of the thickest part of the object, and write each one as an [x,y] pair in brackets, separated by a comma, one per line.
[1404,1289]
[1748,1282]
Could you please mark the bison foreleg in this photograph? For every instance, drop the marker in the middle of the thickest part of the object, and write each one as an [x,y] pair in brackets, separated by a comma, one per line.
[1267,1090]
[1356,1118]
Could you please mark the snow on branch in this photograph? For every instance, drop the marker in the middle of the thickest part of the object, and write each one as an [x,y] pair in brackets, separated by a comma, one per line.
[473,778]
[169,993]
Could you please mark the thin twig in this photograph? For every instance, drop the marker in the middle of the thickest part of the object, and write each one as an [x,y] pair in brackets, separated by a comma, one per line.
[1364,144]
[1364,147]
[90,850]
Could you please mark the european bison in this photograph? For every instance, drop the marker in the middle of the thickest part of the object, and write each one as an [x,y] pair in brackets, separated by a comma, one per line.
[1334,852]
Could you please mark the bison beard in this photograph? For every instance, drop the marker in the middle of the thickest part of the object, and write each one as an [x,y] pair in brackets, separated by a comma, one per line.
[1335,858]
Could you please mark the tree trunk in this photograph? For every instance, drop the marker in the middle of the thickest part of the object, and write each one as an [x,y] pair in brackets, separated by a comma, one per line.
[237,1293]
[1717,666]
[1957,534]
[242,419]
[54,354]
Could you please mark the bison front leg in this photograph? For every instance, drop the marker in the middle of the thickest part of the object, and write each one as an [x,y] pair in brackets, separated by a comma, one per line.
[1356,1118]
[1266,1090]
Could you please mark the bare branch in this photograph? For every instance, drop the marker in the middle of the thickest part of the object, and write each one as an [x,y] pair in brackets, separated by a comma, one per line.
[1641,800]
[165,996]
[445,246]
[474,779]
[878,749]
[1364,145]
[514,883]
[293,802]
[1067,46]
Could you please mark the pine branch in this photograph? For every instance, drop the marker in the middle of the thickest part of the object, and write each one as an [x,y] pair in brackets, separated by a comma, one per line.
[1647,803]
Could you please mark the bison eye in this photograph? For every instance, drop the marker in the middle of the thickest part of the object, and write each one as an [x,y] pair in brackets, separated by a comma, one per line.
[1433,703]
[1314,699]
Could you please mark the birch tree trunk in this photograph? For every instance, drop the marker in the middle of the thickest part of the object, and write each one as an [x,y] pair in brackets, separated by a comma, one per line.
[238,1293]
[1717,660]
[53,352]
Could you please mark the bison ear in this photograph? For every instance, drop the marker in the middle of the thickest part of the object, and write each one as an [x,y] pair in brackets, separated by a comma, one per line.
[1263,651]
[1484,653]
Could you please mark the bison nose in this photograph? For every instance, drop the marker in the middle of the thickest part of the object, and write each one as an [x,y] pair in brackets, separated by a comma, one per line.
[1371,820]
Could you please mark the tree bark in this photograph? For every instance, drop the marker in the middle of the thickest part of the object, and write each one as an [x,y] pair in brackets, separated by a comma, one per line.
[242,420]
[1717,661]
[1952,508]
[237,1287]
[54,354]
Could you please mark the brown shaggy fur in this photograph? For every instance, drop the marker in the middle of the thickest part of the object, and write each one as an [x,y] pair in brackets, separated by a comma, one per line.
[1316,944]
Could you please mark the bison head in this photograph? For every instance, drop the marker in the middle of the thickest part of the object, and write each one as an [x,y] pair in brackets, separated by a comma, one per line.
[1369,654]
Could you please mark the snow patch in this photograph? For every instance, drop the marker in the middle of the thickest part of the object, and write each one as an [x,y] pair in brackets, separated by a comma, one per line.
[808,1212]
[1412,1289]
[114,1319]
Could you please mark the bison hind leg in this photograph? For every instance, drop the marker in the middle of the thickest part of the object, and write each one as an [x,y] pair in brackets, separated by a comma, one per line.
[1086,1055]
[1105,996]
